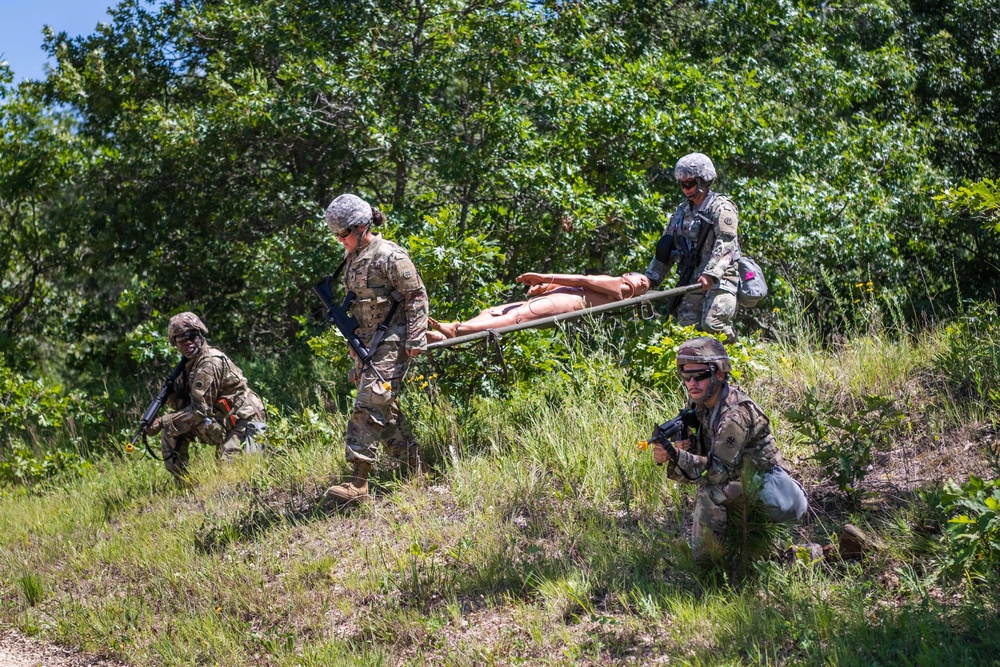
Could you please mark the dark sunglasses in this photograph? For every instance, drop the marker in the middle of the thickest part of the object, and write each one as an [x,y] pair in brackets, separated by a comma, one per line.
[687,185]
[697,376]
[343,233]
[191,335]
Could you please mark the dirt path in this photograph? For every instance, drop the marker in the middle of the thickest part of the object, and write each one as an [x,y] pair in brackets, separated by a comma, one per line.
[16,650]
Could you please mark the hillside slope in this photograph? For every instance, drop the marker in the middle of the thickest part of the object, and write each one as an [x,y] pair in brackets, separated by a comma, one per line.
[543,536]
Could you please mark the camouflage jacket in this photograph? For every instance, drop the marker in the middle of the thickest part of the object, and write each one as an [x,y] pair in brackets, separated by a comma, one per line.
[735,429]
[721,251]
[210,382]
[378,274]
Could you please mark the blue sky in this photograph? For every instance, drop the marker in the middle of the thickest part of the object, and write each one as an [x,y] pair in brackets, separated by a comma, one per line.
[21,24]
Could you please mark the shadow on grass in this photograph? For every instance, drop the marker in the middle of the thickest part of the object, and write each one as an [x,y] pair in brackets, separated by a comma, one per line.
[586,554]
[909,635]
[268,508]
[127,493]
[932,635]
[805,616]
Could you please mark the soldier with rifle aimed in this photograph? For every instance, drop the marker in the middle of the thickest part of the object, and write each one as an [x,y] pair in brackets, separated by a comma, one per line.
[701,240]
[719,435]
[210,398]
[384,319]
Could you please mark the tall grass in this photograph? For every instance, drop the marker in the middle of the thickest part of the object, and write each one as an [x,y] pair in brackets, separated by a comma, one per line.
[544,537]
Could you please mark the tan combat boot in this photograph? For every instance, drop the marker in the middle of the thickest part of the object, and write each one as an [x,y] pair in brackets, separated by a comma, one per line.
[354,490]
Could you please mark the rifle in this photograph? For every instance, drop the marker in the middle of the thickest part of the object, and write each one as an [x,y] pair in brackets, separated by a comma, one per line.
[154,409]
[347,324]
[669,432]
[690,260]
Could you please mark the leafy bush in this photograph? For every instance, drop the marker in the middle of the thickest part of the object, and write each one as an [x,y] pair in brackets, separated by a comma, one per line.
[973,531]
[981,197]
[845,443]
[287,430]
[658,356]
[23,466]
[34,411]
[148,342]
[27,405]
[971,356]
[462,266]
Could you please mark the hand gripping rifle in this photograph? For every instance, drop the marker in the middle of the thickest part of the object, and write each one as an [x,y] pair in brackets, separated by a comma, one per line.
[149,416]
[347,324]
[668,433]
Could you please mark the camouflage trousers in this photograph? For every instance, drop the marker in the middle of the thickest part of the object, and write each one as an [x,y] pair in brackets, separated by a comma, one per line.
[711,311]
[710,514]
[228,443]
[377,415]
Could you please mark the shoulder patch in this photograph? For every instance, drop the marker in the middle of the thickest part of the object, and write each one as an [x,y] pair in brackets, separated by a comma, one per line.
[728,220]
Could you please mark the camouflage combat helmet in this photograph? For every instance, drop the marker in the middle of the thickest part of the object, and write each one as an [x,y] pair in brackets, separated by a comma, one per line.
[181,323]
[695,165]
[704,350]
[346,212]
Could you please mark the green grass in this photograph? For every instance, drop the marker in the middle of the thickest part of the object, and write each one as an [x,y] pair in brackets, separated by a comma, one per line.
[544,537]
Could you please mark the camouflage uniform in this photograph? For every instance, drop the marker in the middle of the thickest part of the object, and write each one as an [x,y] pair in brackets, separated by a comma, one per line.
[379,274]
[733,431]
[711,311]
[210,381]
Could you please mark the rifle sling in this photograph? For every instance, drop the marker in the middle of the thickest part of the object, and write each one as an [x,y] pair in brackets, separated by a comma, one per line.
[149,450]
[340,267]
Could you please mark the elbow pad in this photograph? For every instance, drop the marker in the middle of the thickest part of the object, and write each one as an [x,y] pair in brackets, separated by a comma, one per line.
[665,248]
[658,267]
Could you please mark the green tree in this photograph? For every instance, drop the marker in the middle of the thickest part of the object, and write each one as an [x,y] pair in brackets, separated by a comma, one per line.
[506,136]
[38,205]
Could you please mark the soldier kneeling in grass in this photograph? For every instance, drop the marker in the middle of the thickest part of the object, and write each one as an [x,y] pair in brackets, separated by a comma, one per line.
[211,399]
[730,430]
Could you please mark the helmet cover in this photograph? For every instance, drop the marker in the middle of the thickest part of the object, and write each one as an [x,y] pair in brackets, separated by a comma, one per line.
[695,165]
[704,350]
[181,323]
[347,211]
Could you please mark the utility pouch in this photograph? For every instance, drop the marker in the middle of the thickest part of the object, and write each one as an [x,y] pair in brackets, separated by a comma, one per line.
[782,496]
[752,287]
[228,416]
[253,444]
